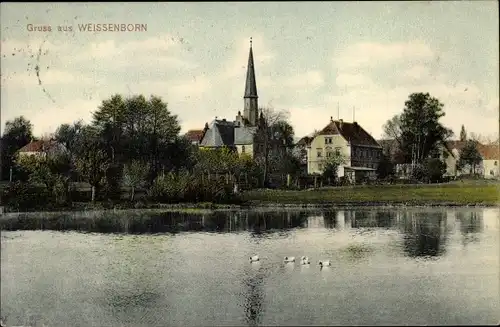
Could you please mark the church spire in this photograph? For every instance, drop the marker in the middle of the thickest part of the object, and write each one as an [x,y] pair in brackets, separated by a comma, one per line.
[251,85]
[250,111]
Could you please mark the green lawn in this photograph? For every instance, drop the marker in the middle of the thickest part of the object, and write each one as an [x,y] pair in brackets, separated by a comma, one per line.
[456,193]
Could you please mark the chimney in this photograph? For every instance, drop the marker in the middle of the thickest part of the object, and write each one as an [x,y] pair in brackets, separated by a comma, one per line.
[331,118]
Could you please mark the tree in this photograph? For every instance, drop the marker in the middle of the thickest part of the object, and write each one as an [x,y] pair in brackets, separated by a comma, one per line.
[469,156]
[385,167]
[17,133]
[67,134]
[92,161]
[421,133]
[463,134]
[135,174]
[331,165]
[275,139]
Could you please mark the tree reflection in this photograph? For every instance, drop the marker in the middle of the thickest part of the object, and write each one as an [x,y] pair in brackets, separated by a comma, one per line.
[471,223]
[330,218]
[253,294]
[424,233]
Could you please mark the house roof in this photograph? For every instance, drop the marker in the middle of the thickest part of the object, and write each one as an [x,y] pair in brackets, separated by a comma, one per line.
[194,135]
[489,152]
[40,146]
[352,132]
[219,133]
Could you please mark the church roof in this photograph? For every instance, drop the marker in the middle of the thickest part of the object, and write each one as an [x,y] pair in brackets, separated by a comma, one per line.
[250,85]
[227,133]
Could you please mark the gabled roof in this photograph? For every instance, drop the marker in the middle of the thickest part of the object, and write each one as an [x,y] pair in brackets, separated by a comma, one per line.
[41,146]
[352,132]
[489,152]
[219,133]
[194,135]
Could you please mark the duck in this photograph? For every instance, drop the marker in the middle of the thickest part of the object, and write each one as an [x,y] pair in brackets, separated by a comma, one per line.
[324,263]
[254,258]
[305,260]
[289,259]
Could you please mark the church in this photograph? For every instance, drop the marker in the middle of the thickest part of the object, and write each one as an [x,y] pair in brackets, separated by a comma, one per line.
[241,134]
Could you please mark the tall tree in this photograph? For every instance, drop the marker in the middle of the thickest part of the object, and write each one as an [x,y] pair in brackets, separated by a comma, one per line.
[469,156]
[275,139]
[67,135]
[17,133]
[421,132]
[463,134]
[92,161]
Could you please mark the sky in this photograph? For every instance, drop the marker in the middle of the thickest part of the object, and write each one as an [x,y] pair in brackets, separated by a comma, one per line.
[315,60]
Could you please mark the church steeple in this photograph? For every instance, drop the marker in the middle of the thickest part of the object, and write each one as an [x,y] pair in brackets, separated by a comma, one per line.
[250,111]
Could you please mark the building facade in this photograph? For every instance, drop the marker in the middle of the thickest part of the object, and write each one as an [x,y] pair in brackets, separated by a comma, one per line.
[360,151]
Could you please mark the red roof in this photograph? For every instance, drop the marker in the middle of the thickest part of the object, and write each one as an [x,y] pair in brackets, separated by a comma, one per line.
[194,135]
[38,146]
[352,132]
[489,152]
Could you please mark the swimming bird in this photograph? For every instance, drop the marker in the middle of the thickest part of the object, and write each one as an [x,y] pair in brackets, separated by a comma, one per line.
[324,263]
[305,260]
[289,259]
[254,258]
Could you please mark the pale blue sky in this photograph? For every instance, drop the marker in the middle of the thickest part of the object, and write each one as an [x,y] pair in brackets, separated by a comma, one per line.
[309,57]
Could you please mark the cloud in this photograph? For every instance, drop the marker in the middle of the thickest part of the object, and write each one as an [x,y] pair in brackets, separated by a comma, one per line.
[154,51]
[416,72]
[310,79]
[45,77]
[368,54]
[348,80]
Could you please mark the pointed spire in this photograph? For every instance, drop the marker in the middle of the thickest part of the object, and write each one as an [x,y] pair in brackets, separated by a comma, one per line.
[251,85]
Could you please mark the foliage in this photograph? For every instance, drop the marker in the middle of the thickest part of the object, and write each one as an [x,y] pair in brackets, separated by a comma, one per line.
[185,187]
[469,156]
[17,133]
[417,129]
[463,134]
[67,135]
[385,167]
[431,170]
[26,195]
[134,175]
[331,165]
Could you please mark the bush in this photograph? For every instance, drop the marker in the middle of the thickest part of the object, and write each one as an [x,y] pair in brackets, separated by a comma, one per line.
[185,187]
[26,196]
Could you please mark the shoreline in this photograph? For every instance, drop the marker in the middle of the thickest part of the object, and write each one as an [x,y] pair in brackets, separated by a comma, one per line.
[257,205]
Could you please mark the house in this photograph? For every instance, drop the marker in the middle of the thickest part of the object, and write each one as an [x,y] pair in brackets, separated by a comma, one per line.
[490,155]
[41,148]
[195,136]
[360,150]
[451,155]
[242,134]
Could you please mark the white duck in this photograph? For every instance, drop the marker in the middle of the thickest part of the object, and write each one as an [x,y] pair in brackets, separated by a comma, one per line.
[305,260]
[254,258]
[324,263]
[289,259]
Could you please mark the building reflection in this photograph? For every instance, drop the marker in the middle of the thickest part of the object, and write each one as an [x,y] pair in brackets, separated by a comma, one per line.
[330,218]
[424,233]
[368,218]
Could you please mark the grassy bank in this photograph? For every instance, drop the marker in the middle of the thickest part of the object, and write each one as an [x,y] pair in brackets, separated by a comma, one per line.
[460,193]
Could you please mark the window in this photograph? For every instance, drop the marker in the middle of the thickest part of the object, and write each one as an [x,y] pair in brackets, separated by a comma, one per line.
[495,163]
[492,173]
[320,166]
[328,140]
[320,153]
[242,149]
[337,150]
[329,154]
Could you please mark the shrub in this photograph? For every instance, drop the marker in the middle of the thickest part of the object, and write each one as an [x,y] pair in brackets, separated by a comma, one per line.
[26,196]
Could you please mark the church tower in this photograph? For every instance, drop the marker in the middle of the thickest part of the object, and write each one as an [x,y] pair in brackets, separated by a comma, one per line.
[250,111]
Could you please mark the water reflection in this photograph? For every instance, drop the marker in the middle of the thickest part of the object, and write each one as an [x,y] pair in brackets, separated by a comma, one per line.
[133,222]
[330,218]
[471,224]
[424,233]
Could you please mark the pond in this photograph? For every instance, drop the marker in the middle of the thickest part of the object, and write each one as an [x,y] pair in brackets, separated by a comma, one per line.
[409,266]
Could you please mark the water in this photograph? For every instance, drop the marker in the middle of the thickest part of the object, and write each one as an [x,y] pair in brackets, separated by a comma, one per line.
[390,267]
